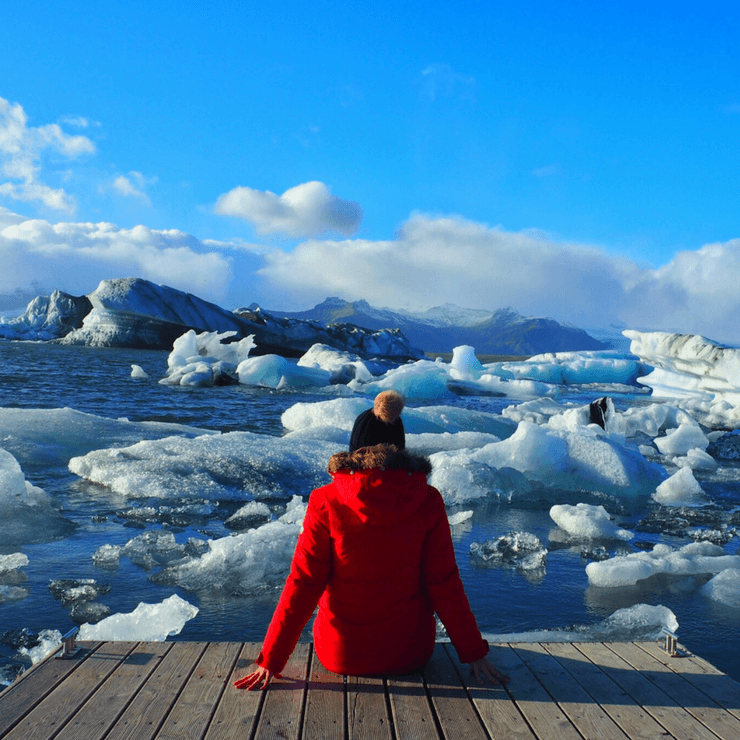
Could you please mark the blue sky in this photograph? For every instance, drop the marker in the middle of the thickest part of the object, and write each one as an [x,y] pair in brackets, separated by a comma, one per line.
[568,160]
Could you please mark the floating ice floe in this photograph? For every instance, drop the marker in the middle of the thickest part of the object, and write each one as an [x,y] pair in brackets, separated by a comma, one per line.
[342,367]
[15,561]
[573,368]
[724,587]
[459,518]
[49,641]
[205,360]
[681,489]
[147,623]
[641,622]
[138,372]
[520,549]
[27,514]
[585,458]
[244,563]
[697,558]
[232,466]
[588,522]
[43,437]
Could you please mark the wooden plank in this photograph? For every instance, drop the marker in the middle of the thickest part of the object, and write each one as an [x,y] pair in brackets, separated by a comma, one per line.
[412,714]
[144,715]
[104,707]
[52,714]
[712,682]
[283,706]
[238,711]
[675,719]
[495,707]
[192,711]
[590,719]
[698,704]
[456,715]
[543,715]
[325,704]
[627,713]
[367,711]
[33,686]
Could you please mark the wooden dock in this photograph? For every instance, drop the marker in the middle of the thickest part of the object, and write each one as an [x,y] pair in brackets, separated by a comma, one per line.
[558,691]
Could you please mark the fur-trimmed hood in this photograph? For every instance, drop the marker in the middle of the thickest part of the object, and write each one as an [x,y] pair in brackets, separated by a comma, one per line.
[381,484]
[385,457]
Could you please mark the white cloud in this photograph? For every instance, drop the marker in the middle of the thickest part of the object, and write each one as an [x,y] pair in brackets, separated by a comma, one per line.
[76,256]
[132,186]
[306,210]
[21,150]
[695,293]
[436,260]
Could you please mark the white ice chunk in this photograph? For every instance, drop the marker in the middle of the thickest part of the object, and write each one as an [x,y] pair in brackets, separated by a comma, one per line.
[421,380]
[15,561]
[49,641]
[465,365]
[246,562]
[679,441]
[681,489]
[341,413]
[582,459]
[231,466]
[43,437]
[273,371]
[341,366]
[587,521]
[459,517]
[27,514]
[641,622]
[206,359]
[697,558]
[137,371]
[146,623]
[700,372]
[696,459]
[724,587]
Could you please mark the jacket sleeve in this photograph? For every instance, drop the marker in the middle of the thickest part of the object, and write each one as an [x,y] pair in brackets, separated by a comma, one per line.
[309,573]
[445,589]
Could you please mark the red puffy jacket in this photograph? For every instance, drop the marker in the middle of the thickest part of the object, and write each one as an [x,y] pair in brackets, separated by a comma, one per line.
[375,553]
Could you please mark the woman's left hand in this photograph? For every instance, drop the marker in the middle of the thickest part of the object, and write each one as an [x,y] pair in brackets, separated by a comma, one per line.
[484,667]
[254,679]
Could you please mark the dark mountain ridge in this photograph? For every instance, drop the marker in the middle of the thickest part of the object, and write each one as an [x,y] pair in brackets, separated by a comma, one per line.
[441,329]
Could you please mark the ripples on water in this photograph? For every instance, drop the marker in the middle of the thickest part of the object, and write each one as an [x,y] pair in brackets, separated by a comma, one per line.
[98,381]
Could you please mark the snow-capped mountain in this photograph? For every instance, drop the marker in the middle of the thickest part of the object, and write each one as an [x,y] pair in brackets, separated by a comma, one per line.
[440,329]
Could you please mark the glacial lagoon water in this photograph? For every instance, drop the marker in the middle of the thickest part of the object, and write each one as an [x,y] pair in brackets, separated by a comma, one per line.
[506,599]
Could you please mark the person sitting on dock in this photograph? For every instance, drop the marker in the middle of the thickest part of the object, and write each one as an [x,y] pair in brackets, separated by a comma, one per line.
[375,554]
[380,424]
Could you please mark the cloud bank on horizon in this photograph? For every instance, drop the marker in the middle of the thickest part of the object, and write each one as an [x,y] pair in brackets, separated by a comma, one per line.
[432,259]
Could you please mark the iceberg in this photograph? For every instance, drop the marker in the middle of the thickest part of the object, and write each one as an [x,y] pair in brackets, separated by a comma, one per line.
[27,514]
[232,466]
[47,317]
[586,521]
[695,559]
[39,438]
[132,312]
[703,374]
[245,563]
[146,623]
